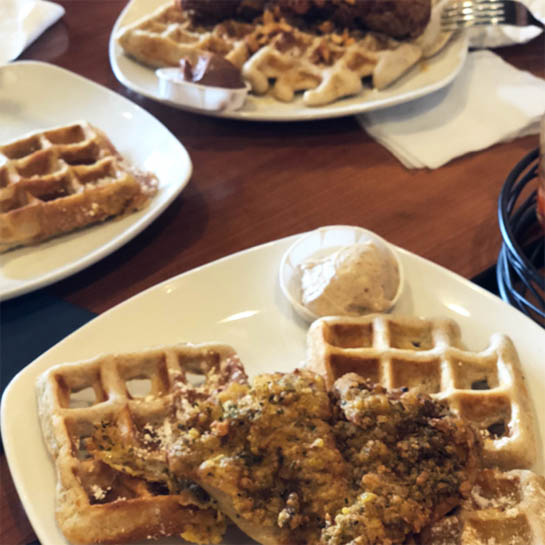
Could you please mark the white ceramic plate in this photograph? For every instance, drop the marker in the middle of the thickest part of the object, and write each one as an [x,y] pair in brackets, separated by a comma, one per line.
[426,77]
[26,105]
[237,300]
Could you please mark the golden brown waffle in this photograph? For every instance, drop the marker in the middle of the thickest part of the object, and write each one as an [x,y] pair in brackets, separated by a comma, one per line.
[168,35]
[62,179]
[486,388]
[98,504]
[327,68]
[276,56]
[502,509]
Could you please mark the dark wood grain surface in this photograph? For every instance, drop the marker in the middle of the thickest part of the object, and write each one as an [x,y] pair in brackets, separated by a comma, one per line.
[257,182]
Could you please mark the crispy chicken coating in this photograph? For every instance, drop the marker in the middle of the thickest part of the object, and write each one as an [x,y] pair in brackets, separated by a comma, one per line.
[413,460]
[214,11]
[395,18]
[290,463]
[269,458]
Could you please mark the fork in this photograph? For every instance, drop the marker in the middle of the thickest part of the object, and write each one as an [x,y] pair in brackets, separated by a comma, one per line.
[466,13]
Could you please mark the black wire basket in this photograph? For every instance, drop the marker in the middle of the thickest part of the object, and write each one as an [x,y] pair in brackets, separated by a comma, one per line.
[520,270]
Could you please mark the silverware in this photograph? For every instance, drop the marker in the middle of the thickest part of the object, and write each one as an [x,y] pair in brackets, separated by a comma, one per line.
[466,13]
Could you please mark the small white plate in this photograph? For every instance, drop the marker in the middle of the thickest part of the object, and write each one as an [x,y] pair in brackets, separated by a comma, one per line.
[194,95]
[36,95]
[237,301]
[424,78]
[319,244]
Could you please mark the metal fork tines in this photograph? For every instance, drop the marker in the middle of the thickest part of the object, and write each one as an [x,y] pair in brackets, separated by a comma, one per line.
[460,14]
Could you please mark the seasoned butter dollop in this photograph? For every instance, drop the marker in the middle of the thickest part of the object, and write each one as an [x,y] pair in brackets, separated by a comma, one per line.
[354,280]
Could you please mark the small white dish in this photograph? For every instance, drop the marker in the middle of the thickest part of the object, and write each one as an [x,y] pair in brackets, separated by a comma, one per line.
[319,244]
[194,95]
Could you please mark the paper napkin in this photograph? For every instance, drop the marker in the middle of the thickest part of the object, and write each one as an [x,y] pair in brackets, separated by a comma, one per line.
[489,102]
[21,22]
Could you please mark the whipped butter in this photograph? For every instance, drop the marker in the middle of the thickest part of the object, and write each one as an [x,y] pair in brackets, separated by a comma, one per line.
[354,280]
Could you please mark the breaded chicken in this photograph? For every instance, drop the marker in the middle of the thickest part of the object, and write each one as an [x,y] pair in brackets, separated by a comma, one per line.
[411,458]
[290,463]
[280,478]
[395,18]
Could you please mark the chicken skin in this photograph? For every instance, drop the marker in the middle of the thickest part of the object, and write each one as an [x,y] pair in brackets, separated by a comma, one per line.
[291,463]
[395,18]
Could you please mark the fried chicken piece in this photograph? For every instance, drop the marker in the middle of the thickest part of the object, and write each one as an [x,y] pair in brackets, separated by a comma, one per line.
[276,472]
[209,12]
[290,464]
[413,460]
[266,454]
[395,18]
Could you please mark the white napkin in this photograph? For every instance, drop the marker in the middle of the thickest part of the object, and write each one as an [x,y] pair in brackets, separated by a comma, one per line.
[21,22]
[490,101]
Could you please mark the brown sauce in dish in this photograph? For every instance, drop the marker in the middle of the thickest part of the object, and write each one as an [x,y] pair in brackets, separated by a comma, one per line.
[213,70]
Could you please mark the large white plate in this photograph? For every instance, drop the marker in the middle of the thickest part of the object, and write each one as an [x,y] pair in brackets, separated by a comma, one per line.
[237,300]
[36,95]
[423,79]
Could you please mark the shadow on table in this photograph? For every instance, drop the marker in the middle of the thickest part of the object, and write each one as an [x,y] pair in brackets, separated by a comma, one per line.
[30,325]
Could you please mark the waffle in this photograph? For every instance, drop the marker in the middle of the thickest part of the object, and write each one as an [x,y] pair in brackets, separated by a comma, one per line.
[94,502]
[168,35]
[62,179]
[486,388]
[502,509]
[278,57]
[327,69]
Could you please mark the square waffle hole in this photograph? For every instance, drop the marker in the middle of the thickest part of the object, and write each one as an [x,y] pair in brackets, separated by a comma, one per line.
[76,392]
[195,379]
[144,376]
[50,190]
[196,366]
[79,431]
[39,164]
[138,387]
[411,338]
[92,175]
[83,398]
[513,530]
[66,135]
[22,148]
[491,413]
[350,335]
[423,376]
[85,154]
[470,375]
[365,367]
[498,492]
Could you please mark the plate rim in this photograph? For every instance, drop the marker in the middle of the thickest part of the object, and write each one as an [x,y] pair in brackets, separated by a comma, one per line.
[133,230]
[328,111]
[40,364]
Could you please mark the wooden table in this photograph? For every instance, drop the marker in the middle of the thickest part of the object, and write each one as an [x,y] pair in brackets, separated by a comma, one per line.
[257,182]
